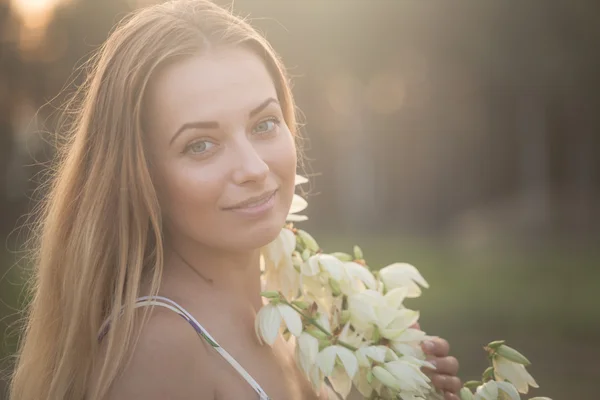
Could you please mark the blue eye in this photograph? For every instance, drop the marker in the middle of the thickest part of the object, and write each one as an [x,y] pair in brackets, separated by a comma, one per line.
[199,147]
[266,126]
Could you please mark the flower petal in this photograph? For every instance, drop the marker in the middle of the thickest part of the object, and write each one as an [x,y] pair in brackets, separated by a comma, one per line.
[270,321]
[288,242]
[362,273]
[326,359]
[403,274]
[386,378]
[298,204]
[348,359]
[340,382]
[362,384]
[487,391]
[514,373]
[299,180]
[332,265]
[509,389]
[296,218]
[291,318]
[395,297]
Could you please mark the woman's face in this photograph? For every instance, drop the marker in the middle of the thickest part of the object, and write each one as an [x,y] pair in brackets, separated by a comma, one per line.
[224,160]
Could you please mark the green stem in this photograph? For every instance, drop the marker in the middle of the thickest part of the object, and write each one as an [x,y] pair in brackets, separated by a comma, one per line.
[318,325]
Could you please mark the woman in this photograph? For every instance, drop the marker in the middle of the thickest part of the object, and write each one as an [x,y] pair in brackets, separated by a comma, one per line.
[179,168]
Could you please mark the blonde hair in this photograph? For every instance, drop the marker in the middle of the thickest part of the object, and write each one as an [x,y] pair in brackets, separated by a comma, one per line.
[99,230]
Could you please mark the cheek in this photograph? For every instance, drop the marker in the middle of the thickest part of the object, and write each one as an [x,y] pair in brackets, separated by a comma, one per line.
[283,162]
[189,194]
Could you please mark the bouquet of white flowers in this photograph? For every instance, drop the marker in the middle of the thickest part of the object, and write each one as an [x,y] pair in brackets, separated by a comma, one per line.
[349,324]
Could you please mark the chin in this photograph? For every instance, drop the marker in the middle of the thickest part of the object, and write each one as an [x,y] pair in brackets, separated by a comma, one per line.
[259,234]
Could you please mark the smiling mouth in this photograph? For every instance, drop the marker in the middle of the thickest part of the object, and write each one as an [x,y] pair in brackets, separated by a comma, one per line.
[254,201]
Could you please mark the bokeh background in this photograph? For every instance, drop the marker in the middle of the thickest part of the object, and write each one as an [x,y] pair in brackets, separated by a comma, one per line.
[460,136]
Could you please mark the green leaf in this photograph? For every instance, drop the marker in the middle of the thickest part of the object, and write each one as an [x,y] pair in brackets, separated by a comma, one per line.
[513,355]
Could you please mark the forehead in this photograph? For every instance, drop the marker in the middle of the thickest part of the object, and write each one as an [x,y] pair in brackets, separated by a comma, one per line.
[216,85]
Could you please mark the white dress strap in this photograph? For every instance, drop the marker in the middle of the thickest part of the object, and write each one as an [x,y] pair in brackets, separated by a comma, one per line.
[173,306]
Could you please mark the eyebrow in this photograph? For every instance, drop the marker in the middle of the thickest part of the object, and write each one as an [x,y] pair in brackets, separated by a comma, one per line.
[215,124]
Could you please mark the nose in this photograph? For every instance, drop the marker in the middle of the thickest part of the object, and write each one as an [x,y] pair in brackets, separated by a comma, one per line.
[249,165]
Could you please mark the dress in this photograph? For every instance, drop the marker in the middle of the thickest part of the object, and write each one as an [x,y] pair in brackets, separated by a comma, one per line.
[173,306]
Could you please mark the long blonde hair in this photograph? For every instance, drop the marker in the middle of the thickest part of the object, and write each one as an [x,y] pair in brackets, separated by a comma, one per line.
[99,230]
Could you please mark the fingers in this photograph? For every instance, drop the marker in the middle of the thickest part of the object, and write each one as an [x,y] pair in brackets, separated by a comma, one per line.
[416,325]
[446,383]
[451,396]
[436,347]
[445,365]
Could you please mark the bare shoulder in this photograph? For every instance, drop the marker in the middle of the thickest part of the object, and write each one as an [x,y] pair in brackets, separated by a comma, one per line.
[170,361]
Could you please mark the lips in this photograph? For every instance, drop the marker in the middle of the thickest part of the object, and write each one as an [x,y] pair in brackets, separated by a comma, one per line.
[253,201]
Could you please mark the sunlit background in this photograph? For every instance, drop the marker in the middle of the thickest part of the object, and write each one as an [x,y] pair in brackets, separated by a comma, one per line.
[460,136]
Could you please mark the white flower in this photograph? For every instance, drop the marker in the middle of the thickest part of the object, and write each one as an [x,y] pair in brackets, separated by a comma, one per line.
[408,343]
[370,308]
[298,203]
[269,318]
[509,389]
[404,375]
[514,373]
[280,273]
[403,275]
[331,267]
[385,377]
[358,278]
[378,354]
[307,348]
[278,253]
[327,358]
[487,391]
[340,374]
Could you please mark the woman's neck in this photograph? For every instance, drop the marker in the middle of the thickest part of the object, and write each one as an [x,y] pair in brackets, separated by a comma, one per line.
[234,275]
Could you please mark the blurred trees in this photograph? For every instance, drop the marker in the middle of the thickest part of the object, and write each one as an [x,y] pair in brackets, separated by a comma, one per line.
[421,117]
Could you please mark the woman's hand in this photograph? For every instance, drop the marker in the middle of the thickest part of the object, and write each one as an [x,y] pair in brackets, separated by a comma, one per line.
[444,377]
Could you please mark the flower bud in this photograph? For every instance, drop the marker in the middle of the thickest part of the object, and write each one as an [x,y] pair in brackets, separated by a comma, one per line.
[358,254]
[466,394]
[305,254]
[335,287]
[303,305]
[495,344]
[345,257]
[488,374]
[472,384]
[512,355]
[308,240]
